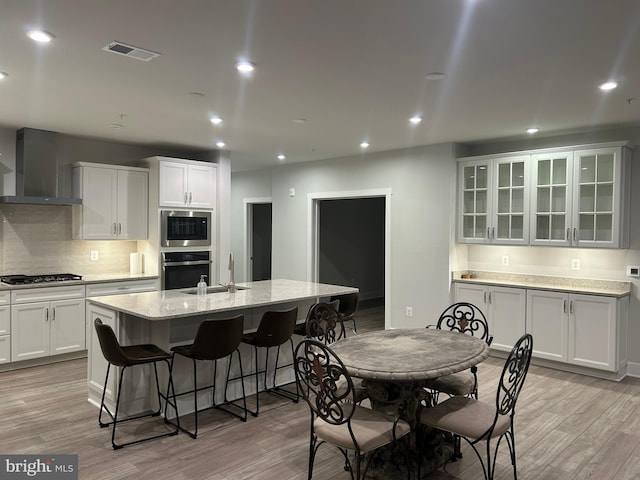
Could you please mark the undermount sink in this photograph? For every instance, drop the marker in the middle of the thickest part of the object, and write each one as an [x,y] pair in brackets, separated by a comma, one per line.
[216,289]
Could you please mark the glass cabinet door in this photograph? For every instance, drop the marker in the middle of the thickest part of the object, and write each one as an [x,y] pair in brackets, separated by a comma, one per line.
[511,201]
[551,200]
[475,200]
[595,206]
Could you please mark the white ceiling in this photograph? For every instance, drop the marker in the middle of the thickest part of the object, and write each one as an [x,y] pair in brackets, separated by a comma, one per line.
[354,69]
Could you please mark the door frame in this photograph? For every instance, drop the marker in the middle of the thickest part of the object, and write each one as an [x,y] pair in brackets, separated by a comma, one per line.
[313,255]
[247,208]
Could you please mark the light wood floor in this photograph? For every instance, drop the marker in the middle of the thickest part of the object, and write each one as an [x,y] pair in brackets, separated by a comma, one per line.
[568,427]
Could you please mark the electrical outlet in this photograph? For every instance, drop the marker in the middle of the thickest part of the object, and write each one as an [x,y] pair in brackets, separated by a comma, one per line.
[409,311]
[575,264]
[505,259]
[633,271]
[94,255]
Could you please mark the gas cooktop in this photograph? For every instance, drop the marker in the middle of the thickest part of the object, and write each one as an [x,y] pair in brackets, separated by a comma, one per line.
[28,279]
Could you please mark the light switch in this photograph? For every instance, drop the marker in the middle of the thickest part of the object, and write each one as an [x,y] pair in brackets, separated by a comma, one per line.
[292,192]
[94,255]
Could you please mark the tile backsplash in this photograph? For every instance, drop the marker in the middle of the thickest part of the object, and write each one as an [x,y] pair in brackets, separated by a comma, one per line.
[36,239]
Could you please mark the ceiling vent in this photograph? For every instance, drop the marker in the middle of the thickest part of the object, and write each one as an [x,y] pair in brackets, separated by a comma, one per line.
[130,51]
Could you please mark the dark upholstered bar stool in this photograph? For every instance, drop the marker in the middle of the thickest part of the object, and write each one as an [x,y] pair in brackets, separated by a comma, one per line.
[275,329]
[348,307]
[214,340]
[125,357]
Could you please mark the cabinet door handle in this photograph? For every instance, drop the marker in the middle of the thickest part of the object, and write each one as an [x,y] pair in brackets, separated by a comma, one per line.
[186,197]
[564,306]
[53,317]
[46,314]
[575,234]
[190,197]
[115,228]
[568,234]
[119,228]
[488,233]
[490,297]
[493,233]
[571,307]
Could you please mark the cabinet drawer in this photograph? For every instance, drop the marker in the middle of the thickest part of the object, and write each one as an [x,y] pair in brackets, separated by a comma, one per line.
[27,295]
[5,297]
[116,288]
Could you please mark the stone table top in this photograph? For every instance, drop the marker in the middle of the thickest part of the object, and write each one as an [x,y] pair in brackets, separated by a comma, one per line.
[409,354]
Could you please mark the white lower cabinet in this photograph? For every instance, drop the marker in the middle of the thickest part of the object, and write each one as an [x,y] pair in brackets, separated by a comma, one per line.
[568,328]
[504,307]
[47,327]
[5,327]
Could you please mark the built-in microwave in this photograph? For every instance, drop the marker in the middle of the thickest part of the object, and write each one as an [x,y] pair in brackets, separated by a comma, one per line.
[185,228]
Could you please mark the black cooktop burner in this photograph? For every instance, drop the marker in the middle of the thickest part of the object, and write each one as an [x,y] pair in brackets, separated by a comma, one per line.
[28,279]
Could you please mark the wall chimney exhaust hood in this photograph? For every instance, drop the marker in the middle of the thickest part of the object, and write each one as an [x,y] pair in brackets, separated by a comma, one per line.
[37,170]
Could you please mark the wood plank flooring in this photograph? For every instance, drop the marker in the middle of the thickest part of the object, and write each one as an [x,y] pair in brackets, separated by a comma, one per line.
[568,427]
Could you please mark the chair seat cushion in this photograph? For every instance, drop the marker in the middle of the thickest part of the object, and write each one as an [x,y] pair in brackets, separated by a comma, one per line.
[465,416]
[460,383]
[372,429]
[138,354]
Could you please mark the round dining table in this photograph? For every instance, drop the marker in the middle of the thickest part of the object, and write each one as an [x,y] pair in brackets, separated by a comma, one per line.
[394,365]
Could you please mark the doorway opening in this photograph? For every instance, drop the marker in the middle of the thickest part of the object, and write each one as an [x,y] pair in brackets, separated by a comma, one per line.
[350,241]
[258,239]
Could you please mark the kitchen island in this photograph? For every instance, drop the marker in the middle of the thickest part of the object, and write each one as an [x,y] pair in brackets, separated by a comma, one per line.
[171,317]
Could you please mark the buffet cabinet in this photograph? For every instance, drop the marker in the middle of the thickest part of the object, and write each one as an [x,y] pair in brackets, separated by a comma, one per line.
[573,196]
[572,329]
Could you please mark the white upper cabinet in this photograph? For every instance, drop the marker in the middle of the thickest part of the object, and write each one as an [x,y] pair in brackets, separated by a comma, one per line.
[580,198]
[187,184]
[494,200]
[115,202]
[573,196]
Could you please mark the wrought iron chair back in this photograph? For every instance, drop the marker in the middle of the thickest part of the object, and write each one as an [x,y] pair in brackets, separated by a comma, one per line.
[324,323]
[466,318]
[513,375]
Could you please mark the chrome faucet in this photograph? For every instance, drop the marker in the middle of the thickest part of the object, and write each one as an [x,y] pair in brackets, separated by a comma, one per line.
[231,286]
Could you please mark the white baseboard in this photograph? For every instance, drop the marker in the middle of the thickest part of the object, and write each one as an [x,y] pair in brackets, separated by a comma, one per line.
[633,369]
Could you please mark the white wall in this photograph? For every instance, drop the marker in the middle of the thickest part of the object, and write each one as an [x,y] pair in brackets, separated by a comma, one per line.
[422,181]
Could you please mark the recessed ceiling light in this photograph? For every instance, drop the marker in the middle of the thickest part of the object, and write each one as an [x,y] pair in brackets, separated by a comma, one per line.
[415,120]
[435,76]
[608,86]
[216,120]
[364,144]
[299,120]
[220,144]
[533,130]
[116,125]
[3,75]
[245,67]
[281,157]
[40,36]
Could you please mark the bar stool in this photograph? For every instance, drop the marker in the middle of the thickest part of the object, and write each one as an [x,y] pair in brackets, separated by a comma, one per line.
[275,329]
[214,340]
[124,357]
[348,307]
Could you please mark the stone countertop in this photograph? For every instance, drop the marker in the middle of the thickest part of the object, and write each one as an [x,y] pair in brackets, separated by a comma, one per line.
[86,279]
[611,288]
[169,304]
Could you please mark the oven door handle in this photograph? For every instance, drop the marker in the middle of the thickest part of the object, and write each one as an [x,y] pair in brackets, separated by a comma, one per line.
[181,264]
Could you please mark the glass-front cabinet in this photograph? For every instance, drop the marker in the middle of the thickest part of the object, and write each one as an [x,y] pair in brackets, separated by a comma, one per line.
[579,198]
[494,200]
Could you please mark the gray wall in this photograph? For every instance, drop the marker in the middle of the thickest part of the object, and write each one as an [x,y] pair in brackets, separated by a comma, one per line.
[422,182]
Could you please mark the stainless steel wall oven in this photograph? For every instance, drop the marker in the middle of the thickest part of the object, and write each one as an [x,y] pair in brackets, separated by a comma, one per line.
[183,269]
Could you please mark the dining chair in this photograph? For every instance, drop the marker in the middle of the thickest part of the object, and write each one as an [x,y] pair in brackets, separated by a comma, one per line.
[465,318]
[476,421]
[214,340]
[125,357]
[301,328]
[348,307]
[274,330]
[336,418]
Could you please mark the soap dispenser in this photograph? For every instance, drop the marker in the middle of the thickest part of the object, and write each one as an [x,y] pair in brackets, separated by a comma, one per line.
[201,288]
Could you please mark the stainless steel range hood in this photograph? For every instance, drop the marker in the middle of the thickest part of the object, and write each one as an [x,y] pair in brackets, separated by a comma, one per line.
[37,169]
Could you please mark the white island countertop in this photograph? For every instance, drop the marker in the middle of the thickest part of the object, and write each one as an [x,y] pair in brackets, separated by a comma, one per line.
[169,304]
